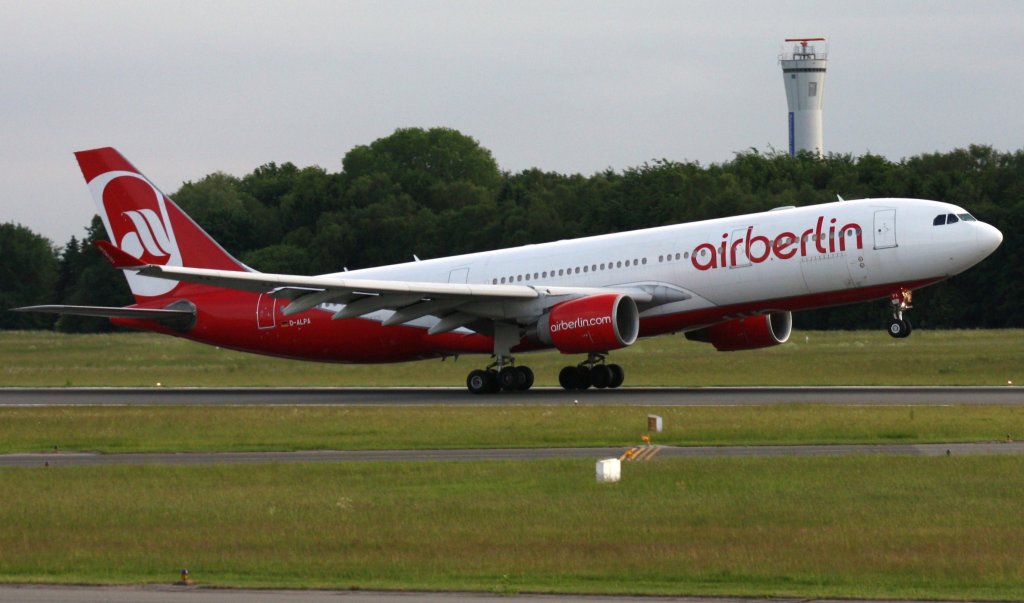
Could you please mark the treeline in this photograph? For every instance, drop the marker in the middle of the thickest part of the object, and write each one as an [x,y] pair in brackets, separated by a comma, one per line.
[438,192]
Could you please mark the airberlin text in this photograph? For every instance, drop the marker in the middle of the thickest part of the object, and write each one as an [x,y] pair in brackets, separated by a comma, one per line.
[579,322]
[755,248]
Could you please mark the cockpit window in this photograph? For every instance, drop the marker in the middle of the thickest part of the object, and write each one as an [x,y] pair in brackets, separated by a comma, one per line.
[967,218]
[939,220]
[952,219]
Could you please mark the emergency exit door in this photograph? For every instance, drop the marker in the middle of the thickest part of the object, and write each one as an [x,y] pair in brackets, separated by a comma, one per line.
[885,228]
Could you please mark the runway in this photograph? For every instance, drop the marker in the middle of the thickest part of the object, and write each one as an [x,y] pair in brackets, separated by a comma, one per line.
[686,396]
[71,459]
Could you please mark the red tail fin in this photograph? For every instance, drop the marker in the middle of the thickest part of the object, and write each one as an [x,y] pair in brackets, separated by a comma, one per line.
[146,224]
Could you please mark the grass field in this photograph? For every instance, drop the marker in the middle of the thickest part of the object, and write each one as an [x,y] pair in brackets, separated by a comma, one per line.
[944,528]
[811,358]
[245,428]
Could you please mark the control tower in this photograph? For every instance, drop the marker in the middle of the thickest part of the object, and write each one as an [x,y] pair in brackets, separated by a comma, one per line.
[803,72]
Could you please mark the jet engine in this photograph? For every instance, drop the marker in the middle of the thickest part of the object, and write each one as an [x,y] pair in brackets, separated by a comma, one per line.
[596,323]
[747,333]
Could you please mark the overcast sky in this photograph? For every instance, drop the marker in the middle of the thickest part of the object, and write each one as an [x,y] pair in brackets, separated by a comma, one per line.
[185,88]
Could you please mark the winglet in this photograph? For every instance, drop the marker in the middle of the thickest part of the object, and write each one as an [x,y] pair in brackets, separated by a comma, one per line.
[119,258]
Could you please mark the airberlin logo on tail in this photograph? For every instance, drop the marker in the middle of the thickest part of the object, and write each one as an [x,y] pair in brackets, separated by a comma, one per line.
[149,238]
[135,215]
[748,247]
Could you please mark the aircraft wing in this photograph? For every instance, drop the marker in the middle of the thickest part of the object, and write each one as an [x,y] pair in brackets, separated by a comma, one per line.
[455,304]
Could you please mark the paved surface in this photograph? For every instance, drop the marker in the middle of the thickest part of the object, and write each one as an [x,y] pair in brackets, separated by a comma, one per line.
[67,459]
[192,594]
[687,396]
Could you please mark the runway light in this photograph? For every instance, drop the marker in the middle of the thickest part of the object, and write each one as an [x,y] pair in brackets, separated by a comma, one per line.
[158,384]
[185,578]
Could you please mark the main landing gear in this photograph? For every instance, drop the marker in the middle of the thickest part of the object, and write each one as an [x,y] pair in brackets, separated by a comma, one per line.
[502,374]
[493,379]
[899,326]
[592,372]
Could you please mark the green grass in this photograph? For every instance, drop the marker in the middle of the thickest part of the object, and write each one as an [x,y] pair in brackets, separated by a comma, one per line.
[901,527]
[810,358]
[238,428]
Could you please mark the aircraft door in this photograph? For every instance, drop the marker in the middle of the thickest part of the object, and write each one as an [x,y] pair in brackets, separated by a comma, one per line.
[459,276]
[266,312]
[885,229]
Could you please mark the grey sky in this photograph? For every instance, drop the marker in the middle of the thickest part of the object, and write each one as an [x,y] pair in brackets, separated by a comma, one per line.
[184,88]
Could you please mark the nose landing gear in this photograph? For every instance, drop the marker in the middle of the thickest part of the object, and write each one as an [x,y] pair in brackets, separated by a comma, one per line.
[899,326]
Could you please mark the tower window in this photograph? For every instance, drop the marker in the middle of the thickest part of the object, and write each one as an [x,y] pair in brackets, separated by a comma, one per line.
[812,88]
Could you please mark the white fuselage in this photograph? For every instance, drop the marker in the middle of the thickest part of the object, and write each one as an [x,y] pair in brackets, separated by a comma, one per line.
[793,253]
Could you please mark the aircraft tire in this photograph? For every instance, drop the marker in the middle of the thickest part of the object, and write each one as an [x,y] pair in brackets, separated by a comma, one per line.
[479,382]
[600,376]
[583,377]
[899,328]
[567,378]
[618,376]
[511,379]
[527,378]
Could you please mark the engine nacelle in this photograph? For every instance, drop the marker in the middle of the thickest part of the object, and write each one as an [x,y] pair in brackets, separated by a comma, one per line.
[596,323]
[747,333]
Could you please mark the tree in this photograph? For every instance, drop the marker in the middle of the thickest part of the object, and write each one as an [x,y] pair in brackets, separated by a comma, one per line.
[425,164]
[97,283]
[28,271]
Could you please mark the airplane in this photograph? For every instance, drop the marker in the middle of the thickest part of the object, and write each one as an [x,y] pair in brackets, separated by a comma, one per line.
[732,282]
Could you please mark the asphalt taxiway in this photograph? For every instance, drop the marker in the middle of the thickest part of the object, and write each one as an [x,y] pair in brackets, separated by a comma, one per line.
[679,396]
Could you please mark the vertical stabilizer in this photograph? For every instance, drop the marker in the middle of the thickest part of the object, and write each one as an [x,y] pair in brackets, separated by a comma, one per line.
[146,224]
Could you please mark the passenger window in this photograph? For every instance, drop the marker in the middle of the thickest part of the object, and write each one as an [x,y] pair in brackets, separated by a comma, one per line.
[952,219]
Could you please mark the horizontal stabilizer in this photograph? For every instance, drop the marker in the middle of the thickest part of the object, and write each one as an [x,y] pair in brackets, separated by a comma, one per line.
[110,312]
[181,318]
[117,257]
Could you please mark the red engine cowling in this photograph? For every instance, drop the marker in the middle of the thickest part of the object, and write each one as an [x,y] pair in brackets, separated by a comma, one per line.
[596,323]
[747,333]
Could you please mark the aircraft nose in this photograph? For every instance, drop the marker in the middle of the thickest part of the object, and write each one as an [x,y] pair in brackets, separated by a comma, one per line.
[989,238]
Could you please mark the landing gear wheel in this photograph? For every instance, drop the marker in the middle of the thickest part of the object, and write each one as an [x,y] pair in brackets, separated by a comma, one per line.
[527,378]
[600,376]
[899,328]
[511,379]
[583,377]
[480,381]
[618,376]
[567,378]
